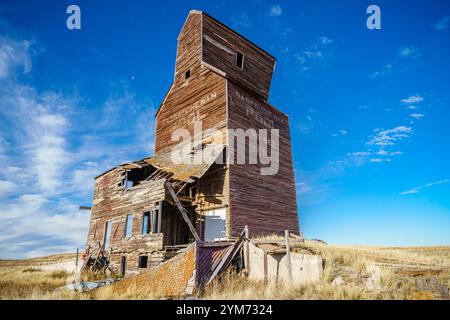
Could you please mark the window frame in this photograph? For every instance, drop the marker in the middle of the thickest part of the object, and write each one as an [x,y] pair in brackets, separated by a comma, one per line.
[128,223]
[107,235]
[236,60]
[148,226]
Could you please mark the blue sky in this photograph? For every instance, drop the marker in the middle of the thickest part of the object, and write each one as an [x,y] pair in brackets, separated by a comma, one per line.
[369,111]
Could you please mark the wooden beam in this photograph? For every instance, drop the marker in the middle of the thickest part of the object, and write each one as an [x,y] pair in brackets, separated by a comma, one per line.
[247,249]
[182,210]
[288,254]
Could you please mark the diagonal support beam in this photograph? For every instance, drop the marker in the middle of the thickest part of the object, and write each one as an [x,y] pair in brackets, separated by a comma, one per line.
[182,210]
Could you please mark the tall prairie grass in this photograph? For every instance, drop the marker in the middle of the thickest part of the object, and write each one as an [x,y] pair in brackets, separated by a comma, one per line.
[25,280]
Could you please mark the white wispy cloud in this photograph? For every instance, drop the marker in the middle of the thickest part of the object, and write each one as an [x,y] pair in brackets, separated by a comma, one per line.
[14,57]
[40,132]
[241,21]
[317,52]
[386,153]
[359,154]
[308,123]
[412,99]
[417,116]
[276,11]
[385,70]
[52,150]
[409,52]
[419,188]
[442,24]
[390,137]
[325,40]
[341,132]
[380,160]
[6,187]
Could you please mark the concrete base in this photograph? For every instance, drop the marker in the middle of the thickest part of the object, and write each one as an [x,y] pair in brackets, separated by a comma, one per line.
[273,267]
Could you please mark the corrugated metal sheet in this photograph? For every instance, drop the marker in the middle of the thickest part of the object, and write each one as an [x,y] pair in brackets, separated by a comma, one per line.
[208,256]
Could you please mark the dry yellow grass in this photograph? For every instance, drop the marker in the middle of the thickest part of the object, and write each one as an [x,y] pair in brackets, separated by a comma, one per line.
[394,283]
[23,280]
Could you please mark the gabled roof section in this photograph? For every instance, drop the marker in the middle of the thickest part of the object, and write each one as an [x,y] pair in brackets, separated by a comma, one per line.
[185,171]
[239,35]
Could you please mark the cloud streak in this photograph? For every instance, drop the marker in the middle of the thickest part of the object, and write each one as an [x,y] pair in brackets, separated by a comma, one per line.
[389,137]
[428,185]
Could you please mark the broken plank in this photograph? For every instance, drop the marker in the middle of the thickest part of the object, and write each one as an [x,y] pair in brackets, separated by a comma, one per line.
[182,210]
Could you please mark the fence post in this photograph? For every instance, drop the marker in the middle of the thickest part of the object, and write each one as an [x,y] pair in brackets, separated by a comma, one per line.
[76,262]
[246,249]
[288,254]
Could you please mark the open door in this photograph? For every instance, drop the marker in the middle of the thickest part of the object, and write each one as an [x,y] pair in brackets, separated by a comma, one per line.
[123,265]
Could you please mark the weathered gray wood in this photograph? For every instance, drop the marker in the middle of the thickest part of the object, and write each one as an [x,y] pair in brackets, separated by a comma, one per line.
[288,253]
[182,210]
[246,249]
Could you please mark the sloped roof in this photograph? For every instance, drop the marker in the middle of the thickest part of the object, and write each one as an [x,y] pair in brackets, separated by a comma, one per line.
[181,170]
[186,170]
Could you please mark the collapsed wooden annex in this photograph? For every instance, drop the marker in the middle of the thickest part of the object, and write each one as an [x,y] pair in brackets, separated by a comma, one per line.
[144,211]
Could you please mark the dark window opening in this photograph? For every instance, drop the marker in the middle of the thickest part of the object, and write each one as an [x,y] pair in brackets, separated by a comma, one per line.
[123,265]
[134,176]
[239,60]
[187,74]
[143,261]
[193,191]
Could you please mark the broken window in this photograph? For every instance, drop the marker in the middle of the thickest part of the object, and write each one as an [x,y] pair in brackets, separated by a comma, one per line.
[215,222]
[146,223]
[143,261]
[239,60]
[134,176]
[128,225]
[151,222]
[187,74]
[107,235]
[155,221]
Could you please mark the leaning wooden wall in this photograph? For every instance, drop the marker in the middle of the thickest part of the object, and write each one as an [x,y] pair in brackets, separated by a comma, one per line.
[113,203]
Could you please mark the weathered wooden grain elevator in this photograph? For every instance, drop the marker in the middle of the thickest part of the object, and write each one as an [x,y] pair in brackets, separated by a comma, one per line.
[144,211]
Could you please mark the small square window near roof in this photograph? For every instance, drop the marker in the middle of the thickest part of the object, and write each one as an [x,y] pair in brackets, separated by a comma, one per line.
[239,60]
[187,74]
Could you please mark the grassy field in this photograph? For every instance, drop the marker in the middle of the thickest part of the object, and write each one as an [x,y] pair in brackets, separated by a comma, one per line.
[399,270]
